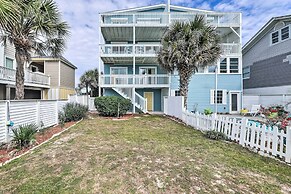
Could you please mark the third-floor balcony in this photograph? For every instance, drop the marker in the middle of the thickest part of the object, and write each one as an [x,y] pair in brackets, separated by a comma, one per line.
[164,18]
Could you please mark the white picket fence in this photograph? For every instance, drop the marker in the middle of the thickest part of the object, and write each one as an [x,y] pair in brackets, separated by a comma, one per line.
[264,139]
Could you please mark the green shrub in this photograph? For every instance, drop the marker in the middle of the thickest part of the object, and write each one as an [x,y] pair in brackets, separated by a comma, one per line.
[216,135]
[72,112]
[24,135]
[108,105]
[62,119]
[207,111]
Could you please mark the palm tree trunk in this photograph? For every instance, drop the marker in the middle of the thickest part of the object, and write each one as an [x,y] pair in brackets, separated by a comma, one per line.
[184,83]
[20,60]
[86,89]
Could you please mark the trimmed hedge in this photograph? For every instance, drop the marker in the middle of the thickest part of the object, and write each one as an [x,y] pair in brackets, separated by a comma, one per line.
[108,105]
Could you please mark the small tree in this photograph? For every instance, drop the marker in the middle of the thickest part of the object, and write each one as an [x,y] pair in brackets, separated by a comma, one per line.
[187,46]
[32,26]
[89,80]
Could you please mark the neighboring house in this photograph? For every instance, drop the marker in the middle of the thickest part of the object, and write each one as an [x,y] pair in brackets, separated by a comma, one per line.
[45,77]
[267,64]
[132,39]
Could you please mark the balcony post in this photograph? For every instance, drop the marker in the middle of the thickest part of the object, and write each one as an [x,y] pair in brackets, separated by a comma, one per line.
[133,50]
[133,100]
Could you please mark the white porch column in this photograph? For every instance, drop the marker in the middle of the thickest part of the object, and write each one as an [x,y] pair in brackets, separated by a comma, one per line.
[99,65]
[133,100]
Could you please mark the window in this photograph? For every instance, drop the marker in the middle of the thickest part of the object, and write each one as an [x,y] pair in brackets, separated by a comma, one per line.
[246,72]
[177,93]
[221,97]
[285,33]
[33,68]
[234,65]
[223,65]
[281,34]
[9,63]
[275,37]
[118,70]
[212,68]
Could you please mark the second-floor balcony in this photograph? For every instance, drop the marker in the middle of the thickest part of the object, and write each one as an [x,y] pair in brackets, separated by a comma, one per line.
[30,78]
[139,81]
[115,50]
[127,50]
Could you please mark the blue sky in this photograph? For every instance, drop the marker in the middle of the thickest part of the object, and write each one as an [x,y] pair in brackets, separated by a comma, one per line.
[82,15]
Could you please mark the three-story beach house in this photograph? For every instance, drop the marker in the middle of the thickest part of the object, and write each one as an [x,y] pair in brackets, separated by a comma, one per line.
[130,40]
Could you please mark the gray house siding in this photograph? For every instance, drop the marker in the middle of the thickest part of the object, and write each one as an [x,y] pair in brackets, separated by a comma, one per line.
[269,73]
[267,68]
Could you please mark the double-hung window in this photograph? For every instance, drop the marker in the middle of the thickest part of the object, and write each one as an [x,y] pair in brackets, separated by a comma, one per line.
[223,65]
[285,33]
[233,65]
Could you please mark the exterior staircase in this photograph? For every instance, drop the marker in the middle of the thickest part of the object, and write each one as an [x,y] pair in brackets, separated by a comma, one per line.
[140,102]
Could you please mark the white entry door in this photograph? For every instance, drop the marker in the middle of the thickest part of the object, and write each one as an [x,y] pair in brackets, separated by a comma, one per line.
[234,102]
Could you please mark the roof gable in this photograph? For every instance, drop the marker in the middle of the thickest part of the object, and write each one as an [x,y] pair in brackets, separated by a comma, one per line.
[263,31]
[158,8]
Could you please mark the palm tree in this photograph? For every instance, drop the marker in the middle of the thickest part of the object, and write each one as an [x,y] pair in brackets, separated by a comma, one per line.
[35,28]
[89,79]
[187,46]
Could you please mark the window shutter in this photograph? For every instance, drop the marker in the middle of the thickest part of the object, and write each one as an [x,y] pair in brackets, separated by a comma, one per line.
[212,96]
[224,97]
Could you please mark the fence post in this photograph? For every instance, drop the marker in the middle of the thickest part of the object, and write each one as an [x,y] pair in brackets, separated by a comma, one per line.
[197,119]
[38,113]
[213,121]
[57,112]
[288,145]
[6,119]
[242,135]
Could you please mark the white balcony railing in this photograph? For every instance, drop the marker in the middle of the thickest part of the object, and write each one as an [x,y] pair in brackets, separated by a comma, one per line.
[116,49]
[125,50]
[164,18]
[135,80]
[152,50]
[231,48]
[7,74]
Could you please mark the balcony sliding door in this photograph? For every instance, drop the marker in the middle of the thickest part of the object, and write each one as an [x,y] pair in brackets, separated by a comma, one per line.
[148,73]
[117,77]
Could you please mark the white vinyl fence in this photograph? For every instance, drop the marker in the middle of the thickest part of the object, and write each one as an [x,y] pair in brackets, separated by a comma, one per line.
[262,138]
[267,100]
[43,113]
[83,99]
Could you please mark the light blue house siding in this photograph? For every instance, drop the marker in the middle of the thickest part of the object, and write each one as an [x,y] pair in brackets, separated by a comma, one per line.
[199,90]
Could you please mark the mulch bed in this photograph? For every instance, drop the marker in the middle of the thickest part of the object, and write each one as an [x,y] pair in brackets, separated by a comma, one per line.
[7,153]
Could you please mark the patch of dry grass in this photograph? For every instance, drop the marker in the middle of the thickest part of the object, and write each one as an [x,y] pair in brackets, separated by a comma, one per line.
[142,155]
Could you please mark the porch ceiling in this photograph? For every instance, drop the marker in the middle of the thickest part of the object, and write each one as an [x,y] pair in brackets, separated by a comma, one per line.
[126,33]
[117,33]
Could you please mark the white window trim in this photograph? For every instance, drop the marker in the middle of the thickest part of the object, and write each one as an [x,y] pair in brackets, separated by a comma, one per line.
[118,68]
[280,35]
[249,67]
[150,67]
[37,70]
[224,96]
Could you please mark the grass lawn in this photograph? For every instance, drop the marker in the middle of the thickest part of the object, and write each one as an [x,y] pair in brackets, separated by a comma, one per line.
[142,155]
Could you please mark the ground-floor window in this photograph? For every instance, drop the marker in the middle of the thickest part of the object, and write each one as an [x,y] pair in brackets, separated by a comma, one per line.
[220,98]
